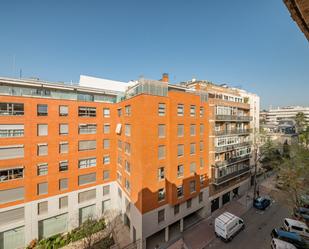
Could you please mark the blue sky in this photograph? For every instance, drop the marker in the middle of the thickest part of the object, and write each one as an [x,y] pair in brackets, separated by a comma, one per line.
[250,44]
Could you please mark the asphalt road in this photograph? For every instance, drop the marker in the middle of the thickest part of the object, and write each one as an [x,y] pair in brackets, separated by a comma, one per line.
[259,225]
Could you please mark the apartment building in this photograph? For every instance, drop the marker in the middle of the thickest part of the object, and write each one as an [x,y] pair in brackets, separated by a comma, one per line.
[70,152]
[231,133]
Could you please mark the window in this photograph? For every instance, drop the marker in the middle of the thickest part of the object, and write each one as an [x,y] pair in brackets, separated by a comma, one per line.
[106,112]
[161,174]
[180,130]
[106,159]
[87,179]
[200,197]
[106,174]
[84,111]
[127,130]
[11,109]
[192,148]
[63,184]
[119,176]
[119,112]
[63,129]
[189,203]
[180,170]
[201,111]
[180,191]
[42,129]
[127,185]
[161,216]
[11,174]
[106,143]
[106,128]
[161,130]
[10,152]
[180,109]
[42,110]
[42,149]
[63,202]
[86,195]
[106,190]
[180,150]
[192,110]
[127,110]
[192,168]
[118,129]
[12,194]
[176,209]
[63,165]
[161,194]
[87,129]
[119,144]
[202,179]
[42,207]
[161,152]
[201,129]
[201,145]
[192,186]
[42,188]
[63,147]
[87,163]
[202,163]
[127,148]
[119,160]
[127,166]
[161,109]
[63,110]
[8,130]
[42,169]
[192,129]
[106,205]
[87,145]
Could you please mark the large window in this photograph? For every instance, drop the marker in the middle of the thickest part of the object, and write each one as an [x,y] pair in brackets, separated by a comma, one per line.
[11,174]
[63,129]
[87,163]
[42,149]
[87,145]
[106,128]
[11,109]
[87,128]
[42,188]
[192,167]
[63,147]
[161,216]
[192,186]
[14,130]
[127,148]
[87,179]
[42,110]
[84,111]
[10,152]
[201,111]
[192,149]
[180,109]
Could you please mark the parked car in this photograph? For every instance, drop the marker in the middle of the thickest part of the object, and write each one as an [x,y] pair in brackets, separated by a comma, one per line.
[302,213]
[227,225]
[296,226]
[289,237]
[280,244]
[261,203]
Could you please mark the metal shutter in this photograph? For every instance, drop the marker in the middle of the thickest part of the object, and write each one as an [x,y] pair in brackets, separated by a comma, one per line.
[86,195]
[42,129]
[64,110]
[106,190]
[87,145]
[42,149]
[63,183]
[64,128]
[87,179]
[42,188]
[63,202]
[11,127]
[10,195]
[11,216]
[9,152]
[43,207]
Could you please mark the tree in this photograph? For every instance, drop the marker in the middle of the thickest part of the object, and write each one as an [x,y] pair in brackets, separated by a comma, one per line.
[294,173]
[300,120]
[304,137]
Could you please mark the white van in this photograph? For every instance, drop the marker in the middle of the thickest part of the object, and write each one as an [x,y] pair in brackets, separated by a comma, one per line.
[227,225]
[280,244]
[296,226]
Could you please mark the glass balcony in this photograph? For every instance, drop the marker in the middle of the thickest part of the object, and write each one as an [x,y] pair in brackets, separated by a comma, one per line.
[233,132]
[223,179]
[231,147]
[233,118]
[232,161]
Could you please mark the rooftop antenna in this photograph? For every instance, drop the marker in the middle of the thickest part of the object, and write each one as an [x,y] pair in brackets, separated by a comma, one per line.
[20,73]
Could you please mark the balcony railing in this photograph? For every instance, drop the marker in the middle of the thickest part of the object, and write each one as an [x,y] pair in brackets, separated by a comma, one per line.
[233,132]
[233,118]
[232,161]
[220,180]
[231,147]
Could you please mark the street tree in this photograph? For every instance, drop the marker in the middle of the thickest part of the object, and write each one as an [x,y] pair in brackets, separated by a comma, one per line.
[300,120]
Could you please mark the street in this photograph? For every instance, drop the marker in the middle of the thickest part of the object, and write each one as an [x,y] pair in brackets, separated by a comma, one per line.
[258,226]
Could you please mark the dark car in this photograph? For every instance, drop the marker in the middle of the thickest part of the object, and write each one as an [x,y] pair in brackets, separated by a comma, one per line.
[261,203]
[290,237]
[302,213]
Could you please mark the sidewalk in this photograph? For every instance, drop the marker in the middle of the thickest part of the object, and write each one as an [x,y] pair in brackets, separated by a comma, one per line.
[201,234]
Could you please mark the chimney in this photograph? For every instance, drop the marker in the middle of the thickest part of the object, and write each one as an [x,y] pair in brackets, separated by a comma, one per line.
[165,77]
